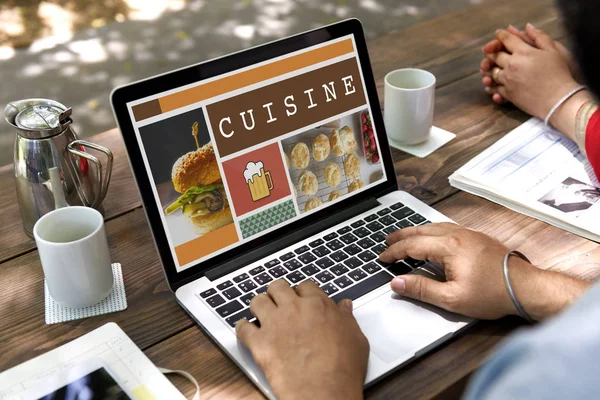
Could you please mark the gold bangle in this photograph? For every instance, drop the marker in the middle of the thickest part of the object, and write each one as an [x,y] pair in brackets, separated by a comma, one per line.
[581,122]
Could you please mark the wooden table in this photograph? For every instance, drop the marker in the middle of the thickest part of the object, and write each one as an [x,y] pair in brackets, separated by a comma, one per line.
[448,46]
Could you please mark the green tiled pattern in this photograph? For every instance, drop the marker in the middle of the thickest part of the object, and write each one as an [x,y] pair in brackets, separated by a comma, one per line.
[267,218]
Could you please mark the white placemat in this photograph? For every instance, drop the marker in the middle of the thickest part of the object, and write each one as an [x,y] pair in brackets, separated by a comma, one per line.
[437,139]
[116,301]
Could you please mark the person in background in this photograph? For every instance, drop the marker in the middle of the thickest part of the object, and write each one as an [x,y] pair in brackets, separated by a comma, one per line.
[534,72]
[310,347]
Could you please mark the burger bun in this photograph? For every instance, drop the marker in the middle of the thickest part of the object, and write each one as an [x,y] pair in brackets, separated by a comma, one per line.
[211,222]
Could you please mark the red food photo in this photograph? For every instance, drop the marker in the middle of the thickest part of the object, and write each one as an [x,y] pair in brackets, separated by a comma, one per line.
[369,143]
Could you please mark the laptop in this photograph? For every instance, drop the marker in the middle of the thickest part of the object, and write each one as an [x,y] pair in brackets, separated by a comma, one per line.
[273,163]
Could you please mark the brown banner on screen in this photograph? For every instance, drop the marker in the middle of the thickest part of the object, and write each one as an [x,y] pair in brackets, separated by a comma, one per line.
[271,111]
[242,79]
[146,110]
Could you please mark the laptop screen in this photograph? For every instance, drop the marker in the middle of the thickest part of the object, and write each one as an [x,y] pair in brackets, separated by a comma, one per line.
[239,155]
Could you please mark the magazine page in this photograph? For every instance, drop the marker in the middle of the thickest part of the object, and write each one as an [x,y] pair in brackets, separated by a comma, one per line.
[537,167]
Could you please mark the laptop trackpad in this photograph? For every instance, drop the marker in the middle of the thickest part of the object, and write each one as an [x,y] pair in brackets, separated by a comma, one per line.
[397,328]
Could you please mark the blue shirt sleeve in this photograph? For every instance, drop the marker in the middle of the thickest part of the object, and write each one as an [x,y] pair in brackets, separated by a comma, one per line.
[559,359]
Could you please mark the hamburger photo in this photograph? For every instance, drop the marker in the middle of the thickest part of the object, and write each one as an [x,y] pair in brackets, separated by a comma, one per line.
[203,199]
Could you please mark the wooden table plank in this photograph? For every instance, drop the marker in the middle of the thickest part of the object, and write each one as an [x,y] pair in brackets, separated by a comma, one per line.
[123,196]
[478,123]
[546,246]
[444,45]
[448,46]
[152,313]
[218,376]
[150,300]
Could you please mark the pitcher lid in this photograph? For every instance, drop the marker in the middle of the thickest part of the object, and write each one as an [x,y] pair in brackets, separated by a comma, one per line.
[39,118]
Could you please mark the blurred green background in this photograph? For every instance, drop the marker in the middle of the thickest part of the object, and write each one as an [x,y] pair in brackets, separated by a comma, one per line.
[77,51]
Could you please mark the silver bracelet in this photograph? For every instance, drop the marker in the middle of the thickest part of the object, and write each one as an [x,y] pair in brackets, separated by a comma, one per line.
[511,292]
[562,101]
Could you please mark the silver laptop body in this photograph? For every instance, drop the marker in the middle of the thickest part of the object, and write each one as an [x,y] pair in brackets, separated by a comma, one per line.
[336,246]
[398,330]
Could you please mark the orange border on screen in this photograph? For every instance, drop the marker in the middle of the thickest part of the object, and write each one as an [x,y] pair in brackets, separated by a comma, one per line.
[242,79]
[206,244]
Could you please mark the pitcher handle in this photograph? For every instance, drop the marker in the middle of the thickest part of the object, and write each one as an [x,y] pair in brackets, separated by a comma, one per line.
[102,180]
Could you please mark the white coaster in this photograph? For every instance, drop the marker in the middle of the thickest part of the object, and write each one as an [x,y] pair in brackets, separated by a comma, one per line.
[116,301]
[437,139]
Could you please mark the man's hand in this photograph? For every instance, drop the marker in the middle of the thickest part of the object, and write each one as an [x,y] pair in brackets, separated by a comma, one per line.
[308,346]
[475,284]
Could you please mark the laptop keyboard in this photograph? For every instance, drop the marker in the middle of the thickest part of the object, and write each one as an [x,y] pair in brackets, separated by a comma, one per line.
[344,264]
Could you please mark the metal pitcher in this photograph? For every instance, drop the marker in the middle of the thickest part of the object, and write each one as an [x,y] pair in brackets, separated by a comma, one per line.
[52,168]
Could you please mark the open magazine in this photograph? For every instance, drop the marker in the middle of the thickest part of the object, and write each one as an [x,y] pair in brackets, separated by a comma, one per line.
[538,172]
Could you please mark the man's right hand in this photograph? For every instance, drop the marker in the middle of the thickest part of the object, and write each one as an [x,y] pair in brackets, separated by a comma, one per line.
[473,265]
[308,346]
[475,283]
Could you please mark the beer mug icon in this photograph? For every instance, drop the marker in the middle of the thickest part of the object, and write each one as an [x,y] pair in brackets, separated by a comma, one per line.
[256,179]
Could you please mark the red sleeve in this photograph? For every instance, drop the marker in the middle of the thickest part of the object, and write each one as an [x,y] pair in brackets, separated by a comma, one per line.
[592,142]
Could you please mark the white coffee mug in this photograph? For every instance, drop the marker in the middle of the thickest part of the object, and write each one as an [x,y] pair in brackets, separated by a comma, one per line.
[74,252]
[409,101]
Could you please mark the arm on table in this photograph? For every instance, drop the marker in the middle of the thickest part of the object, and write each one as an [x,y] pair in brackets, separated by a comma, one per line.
[543,293]
[475,283]
[579,120]
[519,57]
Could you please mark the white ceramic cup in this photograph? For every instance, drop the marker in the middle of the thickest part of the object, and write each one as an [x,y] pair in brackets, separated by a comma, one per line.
[409,101]
[74,252]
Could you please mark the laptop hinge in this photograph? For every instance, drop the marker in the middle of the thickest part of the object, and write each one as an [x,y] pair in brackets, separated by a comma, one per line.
[291,238]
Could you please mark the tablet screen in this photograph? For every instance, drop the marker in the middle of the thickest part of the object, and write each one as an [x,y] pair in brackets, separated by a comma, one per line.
[97,385]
